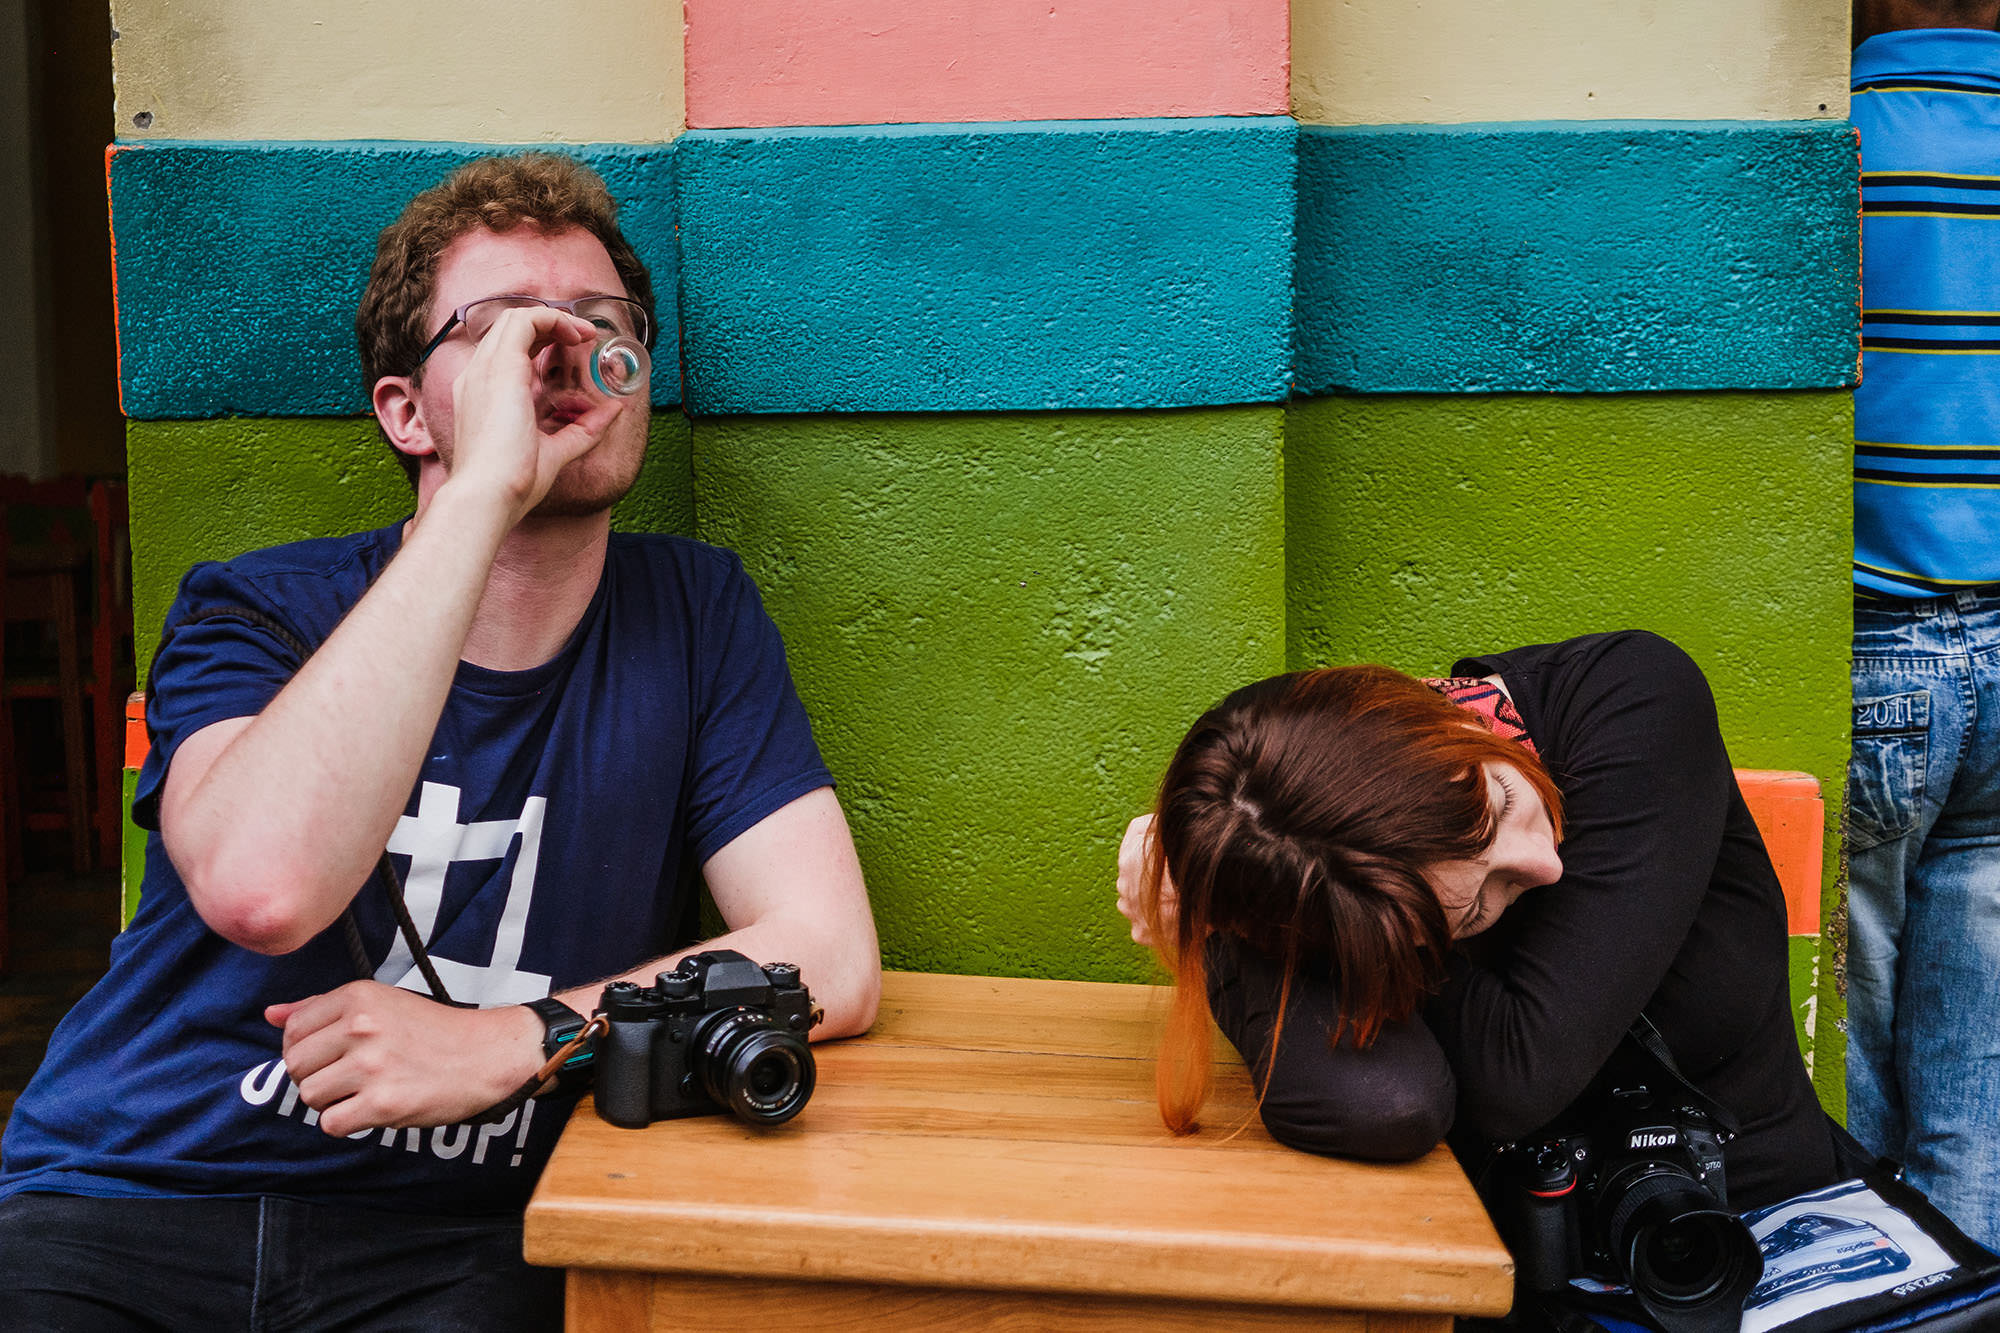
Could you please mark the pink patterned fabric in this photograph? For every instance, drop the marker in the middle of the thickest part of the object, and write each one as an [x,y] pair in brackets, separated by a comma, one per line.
[1487,700]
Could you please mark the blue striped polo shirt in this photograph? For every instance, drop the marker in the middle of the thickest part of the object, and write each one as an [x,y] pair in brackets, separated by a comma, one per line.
[1927,414]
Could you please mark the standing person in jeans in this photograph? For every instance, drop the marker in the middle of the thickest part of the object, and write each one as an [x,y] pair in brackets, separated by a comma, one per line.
[259,1119]
[1923,963]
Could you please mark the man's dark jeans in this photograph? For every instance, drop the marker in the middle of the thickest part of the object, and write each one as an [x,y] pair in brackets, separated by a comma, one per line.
[85,1264]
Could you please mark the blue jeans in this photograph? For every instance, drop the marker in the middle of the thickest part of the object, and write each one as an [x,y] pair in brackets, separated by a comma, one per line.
[1923,950]
[70,1264]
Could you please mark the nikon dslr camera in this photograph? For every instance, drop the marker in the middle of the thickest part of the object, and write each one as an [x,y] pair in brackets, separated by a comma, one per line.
[1627,1189]
[718,1033]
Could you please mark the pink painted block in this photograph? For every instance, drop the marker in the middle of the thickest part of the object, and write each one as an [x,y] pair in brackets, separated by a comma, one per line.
[875,62]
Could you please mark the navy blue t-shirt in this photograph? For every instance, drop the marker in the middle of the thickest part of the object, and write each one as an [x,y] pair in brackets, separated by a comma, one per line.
[541,849]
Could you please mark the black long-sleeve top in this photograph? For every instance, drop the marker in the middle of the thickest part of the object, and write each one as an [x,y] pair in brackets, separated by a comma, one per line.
[1667,905]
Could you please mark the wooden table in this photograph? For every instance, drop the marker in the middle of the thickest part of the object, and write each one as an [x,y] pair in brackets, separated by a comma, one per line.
[990,1156]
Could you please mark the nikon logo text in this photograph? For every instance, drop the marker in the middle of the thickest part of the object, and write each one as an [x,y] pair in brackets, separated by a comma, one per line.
[1643,1139]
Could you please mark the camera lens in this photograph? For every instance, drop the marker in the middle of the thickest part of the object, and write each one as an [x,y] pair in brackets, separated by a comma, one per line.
[1683,1260]
[762,1072]
[1682,1252]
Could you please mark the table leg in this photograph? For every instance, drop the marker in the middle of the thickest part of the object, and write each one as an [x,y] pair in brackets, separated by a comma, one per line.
[599,1301]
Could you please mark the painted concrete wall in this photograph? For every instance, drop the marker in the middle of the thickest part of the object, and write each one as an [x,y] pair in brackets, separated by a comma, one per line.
[1109,263]
[868,62]
[240,265]
[210,490]
[1041,435]
[1001,623]
[1441,62]
[483,71]
[1615,255]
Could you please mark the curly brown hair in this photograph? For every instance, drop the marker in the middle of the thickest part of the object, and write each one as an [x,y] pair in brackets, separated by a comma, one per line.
[549,190]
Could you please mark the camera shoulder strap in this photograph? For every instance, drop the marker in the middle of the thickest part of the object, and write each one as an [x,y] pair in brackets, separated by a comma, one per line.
[1648,1039]
[385,869]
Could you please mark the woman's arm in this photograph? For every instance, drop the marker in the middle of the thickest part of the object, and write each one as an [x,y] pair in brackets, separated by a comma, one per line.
[1633,743]
[1390,1102]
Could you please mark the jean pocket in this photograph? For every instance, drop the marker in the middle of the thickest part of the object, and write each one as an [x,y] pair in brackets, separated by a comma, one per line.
[1885,772]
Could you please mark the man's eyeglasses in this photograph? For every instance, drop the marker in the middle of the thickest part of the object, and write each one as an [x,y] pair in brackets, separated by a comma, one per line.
[611,314]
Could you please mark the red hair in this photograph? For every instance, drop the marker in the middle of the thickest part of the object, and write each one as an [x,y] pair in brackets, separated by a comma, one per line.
[1298,815]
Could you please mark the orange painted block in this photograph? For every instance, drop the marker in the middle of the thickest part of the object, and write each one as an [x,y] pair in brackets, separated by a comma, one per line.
[885,62]
[137,742]
[1792,817]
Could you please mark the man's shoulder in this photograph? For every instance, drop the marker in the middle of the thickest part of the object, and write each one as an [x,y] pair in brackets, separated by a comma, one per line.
[308,584]
[700,570]
[354,553]
[665,548]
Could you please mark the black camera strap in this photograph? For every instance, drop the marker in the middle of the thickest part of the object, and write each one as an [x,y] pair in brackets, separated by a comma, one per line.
[385,869]
[1648,1039]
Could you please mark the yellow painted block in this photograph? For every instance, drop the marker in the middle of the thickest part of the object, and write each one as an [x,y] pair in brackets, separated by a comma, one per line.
[476,71]
[1440,62]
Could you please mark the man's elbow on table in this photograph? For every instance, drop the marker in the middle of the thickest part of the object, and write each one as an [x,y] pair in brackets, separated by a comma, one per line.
[850,961]
[852,1000]
[790,888]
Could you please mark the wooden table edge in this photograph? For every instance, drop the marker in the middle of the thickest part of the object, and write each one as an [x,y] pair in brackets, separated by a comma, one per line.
[1427,1280]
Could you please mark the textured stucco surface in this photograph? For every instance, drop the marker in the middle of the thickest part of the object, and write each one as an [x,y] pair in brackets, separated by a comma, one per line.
[209,490]
[1619,256]
[240,265]
[1080,264]
[863,62]
[1395,62]
[1001,624]
[486,71]
[1421,528]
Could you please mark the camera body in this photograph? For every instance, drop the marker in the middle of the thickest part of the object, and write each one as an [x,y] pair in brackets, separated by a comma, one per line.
[1628,1189]
[718,1033]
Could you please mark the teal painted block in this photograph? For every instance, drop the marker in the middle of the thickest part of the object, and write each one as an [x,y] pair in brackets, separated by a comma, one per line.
[239,265]
[209,490]
[1001,625]
[1578,256]
[1068,264]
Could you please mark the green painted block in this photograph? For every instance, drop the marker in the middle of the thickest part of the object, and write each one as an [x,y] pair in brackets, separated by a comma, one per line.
[209,490]
[131,854]
[1830,1016]
[1805,994]
[1421,528]
[1002,624]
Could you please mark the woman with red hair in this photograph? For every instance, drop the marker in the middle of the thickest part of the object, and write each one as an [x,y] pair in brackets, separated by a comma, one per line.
[1410,901]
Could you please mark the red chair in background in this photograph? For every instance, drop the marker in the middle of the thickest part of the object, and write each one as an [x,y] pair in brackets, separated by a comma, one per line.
[65,639]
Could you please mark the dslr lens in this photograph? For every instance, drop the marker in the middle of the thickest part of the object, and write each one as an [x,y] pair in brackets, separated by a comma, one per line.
[762,1072]
[1683,1260]
[1681,1251]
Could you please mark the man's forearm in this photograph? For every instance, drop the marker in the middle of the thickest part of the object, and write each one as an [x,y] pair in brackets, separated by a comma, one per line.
[843,974]
[275,823]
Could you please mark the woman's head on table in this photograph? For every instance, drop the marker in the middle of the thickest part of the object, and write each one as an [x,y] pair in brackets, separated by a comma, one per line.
[1351,819]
